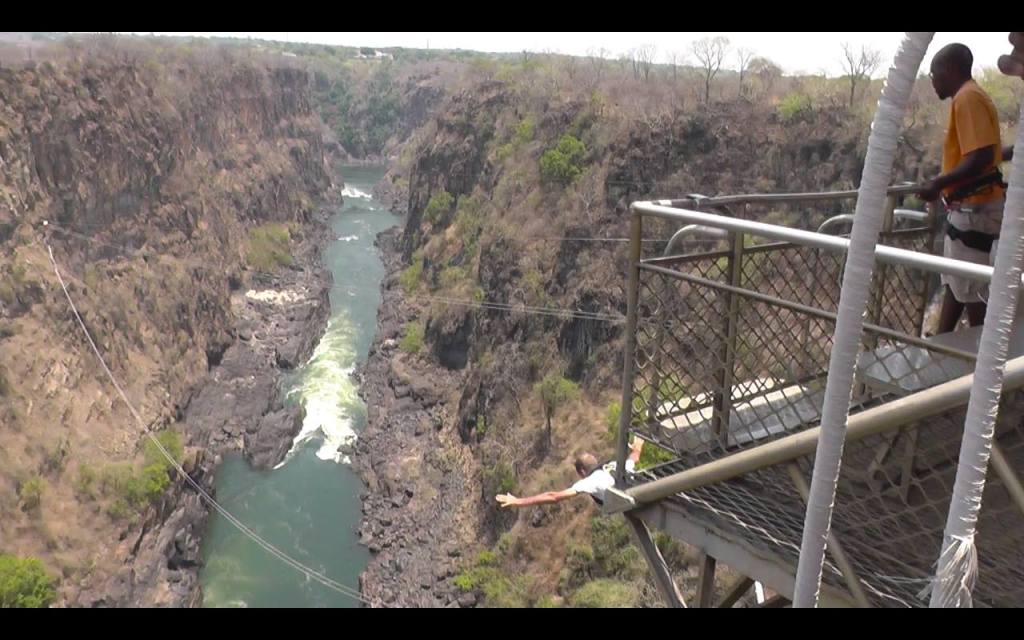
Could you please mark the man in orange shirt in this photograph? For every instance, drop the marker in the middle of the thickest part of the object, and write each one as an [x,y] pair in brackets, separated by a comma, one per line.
[970,182]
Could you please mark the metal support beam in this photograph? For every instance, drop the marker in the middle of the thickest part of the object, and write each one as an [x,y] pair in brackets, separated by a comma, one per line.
[617,501]
[736,592]
[659,569]
[723,391]
[775,602]
[1007,476]
[733,551]
[629,352]
[706,581]
[833,545]
[882,454]
[907,465]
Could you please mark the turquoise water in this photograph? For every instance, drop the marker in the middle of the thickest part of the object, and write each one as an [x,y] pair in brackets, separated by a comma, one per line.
[309,505]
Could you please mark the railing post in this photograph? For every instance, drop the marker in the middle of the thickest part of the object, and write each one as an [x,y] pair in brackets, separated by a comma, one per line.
[933,227]
[629,350]
[881,271]
[725,375]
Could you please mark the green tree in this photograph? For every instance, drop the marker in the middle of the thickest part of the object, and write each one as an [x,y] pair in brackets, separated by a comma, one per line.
[555,392]
[564,163]
[440,203]
[24,583]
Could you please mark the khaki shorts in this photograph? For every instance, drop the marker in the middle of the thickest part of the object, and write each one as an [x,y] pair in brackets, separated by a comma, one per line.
[986,218]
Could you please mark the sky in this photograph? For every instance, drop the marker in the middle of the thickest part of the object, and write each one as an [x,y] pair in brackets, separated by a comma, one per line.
[802,51]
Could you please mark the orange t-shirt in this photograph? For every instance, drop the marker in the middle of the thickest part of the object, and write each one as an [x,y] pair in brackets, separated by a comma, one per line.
[973,125]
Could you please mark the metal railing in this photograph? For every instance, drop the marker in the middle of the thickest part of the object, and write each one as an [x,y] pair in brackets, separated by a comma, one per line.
[733,345]
[726,358]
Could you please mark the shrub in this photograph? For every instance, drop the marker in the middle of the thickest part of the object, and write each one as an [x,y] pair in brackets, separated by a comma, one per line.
[412,339]
[564,163]
[410,278]
[440,204]
[24,583]
[793,106]
[31,493]
[606,594]
[499,479]
[269,247]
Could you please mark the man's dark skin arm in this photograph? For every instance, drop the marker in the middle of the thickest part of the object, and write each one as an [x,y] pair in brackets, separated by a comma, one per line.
[972,166]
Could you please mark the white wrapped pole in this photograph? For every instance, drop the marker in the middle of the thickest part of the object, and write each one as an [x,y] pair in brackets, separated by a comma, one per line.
[958,562]
[867,224]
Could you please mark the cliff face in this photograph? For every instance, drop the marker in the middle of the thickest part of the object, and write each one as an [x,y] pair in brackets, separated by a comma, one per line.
[152,171]
[517,193]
